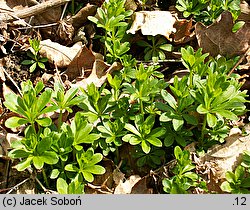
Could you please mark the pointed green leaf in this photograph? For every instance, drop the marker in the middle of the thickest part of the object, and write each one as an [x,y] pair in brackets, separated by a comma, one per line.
[14,122]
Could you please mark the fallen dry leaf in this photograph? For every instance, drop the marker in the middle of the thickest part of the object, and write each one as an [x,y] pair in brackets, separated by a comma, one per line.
[141,187]
[81,17]
[99,74]
[84,60]
[57,54]
[126,187]
[218,38]
[184,31]
[153,23]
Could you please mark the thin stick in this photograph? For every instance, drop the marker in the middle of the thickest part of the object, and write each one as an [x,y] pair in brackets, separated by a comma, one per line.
[40,26]
[34,10]
[239,62]
[16,186]
[14,83]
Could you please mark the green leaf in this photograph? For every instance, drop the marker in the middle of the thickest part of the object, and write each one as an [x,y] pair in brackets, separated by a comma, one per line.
[41,65]
[50,157]
[24,164]
[227,114]
[238,26]
[61,186]
[43,100]
[14,122]
[18,153]
[230,177]
[134,140]
[211,120]
[88,176]
[38,162]
[54,173]
[190,119]
[145,146]
[201,109]
[154,141]
[191,175]
[169,99]
[166,47]
[239,172]
[177,124]
[45,122]
[71,167]
[96,169]
[226,187]
[132,129]
[27,62]
[33,67]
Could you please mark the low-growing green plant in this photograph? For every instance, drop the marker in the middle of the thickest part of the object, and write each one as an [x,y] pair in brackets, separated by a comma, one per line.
[203,101]
[74,187]
[49,148]
[154,158]
[191,7]
[208,11]
[36,59]
[143,133]
[155,49]
[246,160]
[111,18]
[184,179]
[237,182]
[86,165]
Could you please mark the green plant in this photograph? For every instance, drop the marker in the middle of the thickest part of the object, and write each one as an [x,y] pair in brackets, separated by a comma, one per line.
[74,187]
[201,103]
[31,106]
[36,59]
[49,148]
[184,179]
[156,49]
[216,7]
[111,18]
[64,101]
[86,165]
[96,103]
[153,159]
[143,133]
[191,7]
[237,182]
[246,160]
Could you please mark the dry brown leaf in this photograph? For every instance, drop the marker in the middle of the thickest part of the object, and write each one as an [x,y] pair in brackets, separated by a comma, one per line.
[84,60]
[126,187]
[81,17]
[245,11]
[218,38]
[57,54]
[153,23]
[65,31]
[184,31]
[222,158]
[2,76]
[141,187]
[99,74]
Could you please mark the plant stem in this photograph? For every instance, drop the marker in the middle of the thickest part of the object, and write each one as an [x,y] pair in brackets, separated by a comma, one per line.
[105,48]
[45,177]
[203,128]
[60,120]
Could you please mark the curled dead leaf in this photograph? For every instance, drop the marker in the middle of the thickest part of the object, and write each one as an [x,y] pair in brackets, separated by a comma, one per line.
[126,187]
[99,74]
[57,54]
[83,61]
